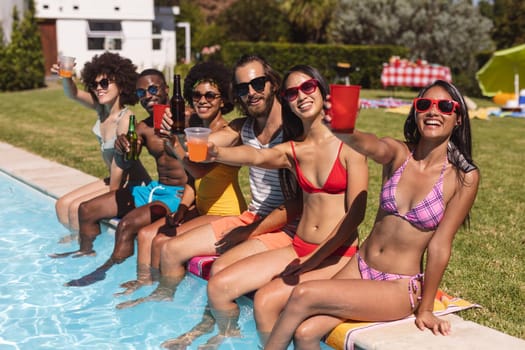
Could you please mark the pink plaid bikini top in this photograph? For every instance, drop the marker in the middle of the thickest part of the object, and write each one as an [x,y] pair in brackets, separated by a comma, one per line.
[428,213]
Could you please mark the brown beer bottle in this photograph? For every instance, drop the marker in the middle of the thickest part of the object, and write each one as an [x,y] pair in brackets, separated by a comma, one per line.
[177,107]
[132,137]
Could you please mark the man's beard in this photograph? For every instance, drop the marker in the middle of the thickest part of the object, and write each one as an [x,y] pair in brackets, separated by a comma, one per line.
[268,104]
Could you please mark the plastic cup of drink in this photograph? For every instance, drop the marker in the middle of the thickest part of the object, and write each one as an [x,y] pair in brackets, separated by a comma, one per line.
[158,112]
[344,100]
[66,64]
[197,141]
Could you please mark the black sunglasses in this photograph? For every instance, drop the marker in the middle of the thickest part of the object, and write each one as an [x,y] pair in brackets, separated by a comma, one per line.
[444,106]
[307,86]
[208,95]
[258,84]
[152,90]
[104,83]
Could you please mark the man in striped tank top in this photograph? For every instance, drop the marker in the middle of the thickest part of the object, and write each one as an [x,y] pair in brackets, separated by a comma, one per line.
[255,91]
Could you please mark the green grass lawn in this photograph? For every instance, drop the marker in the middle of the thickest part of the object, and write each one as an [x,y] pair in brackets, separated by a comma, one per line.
[487,265]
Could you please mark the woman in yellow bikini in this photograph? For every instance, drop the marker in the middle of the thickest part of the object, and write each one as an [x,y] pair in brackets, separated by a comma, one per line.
[217,190]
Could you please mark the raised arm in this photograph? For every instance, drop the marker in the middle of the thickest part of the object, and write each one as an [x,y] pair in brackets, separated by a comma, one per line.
[71,91]
[381,150]
[439,251]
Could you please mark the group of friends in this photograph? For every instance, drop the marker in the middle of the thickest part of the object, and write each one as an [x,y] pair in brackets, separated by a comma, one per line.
[295,247]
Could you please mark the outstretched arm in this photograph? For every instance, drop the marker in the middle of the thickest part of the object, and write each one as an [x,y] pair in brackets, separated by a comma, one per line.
[381,150]
[271,158]
[72,92]
[439,251]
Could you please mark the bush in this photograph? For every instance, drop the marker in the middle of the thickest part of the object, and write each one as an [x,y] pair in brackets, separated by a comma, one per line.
[22,60]
[366,61]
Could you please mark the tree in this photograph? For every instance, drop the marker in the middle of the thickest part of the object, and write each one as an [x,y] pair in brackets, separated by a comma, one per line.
[309,19]
[440,31]
[254,20]
[509,23]
[24,58]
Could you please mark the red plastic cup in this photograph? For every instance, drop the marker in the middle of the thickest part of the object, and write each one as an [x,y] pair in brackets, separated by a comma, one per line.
[158,112]
[344,100]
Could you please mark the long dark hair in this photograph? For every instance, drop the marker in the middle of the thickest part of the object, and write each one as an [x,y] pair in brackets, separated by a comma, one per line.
[292,125]
[459,150]
[460,144]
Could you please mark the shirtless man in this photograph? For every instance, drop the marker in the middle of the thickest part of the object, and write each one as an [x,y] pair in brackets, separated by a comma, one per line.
[137,206]
[255,88]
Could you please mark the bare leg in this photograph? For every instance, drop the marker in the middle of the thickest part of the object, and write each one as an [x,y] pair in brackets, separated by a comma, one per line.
[124,240]
[205,326]
[230,283]
[334,300]
[90,213]
[98,275]
[145,238]
[164,292]
[270,300]
[144,278]
[66,207]
[175,254]
[228,327]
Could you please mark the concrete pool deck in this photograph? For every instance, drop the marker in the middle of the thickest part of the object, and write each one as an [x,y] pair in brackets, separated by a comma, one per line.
[56,179]
[47,176]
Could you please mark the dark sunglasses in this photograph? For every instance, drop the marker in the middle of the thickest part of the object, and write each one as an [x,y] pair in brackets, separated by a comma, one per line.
[104,83]
[208,95]
[444,106]
[242,89]
[152,90]
[308,87]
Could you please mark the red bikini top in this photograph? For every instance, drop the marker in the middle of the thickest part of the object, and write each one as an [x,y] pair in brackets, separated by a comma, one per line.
[336,182]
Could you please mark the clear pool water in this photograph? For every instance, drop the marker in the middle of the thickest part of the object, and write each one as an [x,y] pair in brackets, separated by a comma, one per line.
[38,312]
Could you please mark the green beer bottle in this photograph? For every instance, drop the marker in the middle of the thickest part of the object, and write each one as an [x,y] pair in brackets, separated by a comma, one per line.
[132,137]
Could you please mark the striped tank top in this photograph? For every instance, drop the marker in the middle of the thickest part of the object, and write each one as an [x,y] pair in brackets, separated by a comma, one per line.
[265,187]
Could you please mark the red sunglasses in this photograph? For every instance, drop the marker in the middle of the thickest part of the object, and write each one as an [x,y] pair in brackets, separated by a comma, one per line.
[444,106]
[308,87]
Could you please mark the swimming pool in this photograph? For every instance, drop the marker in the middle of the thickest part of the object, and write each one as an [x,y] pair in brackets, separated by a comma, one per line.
[38,312]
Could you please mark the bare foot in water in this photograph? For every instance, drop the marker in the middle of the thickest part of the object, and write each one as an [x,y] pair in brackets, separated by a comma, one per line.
[73,254]
[73,237]
[159,294]
[132,286]
[216,341]
[205,326]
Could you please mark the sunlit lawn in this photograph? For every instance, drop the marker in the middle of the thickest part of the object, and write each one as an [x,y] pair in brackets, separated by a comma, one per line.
[487,266]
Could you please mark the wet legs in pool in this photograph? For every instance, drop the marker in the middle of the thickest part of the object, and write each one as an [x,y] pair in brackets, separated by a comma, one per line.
[164,292]
[90,213]
[205,326]
[124,239]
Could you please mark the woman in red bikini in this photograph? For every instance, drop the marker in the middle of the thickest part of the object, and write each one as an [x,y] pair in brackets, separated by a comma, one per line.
[429,186]
[333,179]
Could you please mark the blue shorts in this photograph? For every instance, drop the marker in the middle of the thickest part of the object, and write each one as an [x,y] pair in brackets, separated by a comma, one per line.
[155,191]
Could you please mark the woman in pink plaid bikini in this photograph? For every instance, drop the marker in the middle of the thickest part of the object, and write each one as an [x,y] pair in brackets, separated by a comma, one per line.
[429,186]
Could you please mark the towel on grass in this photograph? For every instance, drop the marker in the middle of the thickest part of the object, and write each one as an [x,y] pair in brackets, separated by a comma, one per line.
[342,337]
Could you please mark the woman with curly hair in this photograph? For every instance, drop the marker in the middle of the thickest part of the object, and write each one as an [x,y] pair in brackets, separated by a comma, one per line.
[109,80]
[217,189]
